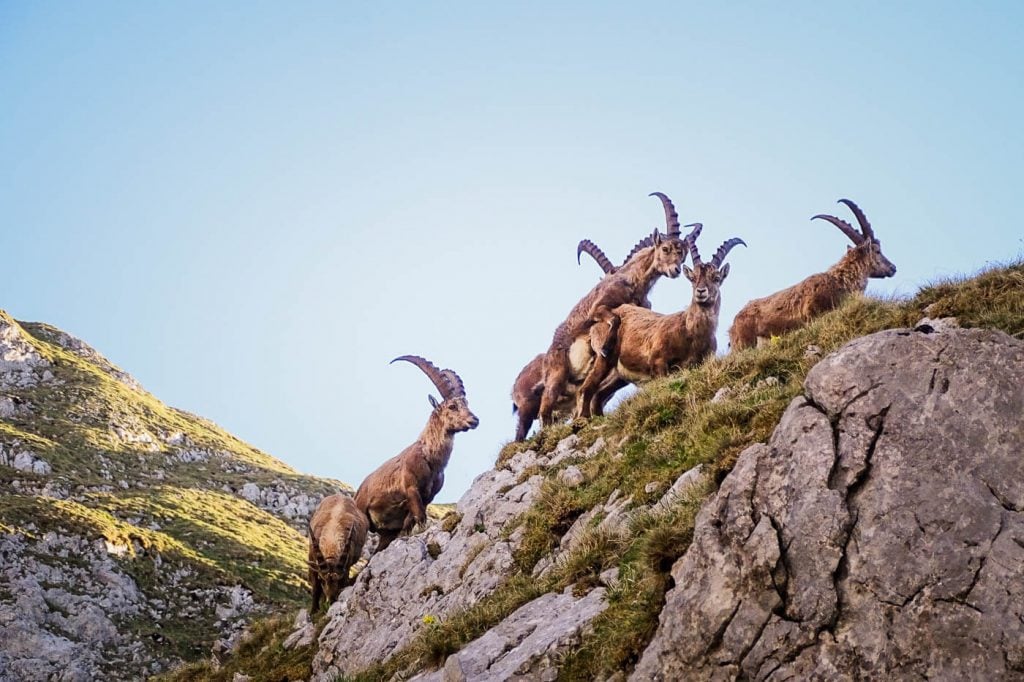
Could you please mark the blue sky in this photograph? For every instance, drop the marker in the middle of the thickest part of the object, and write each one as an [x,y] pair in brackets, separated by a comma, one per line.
[253,207]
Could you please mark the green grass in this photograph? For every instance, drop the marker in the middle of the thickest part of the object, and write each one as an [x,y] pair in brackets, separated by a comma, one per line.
[663,430]
[221,539]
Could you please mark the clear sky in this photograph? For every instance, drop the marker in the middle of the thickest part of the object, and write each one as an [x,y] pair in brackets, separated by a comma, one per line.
[253,207]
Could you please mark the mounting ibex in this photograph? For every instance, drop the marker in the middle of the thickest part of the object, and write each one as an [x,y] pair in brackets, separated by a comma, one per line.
[337,532]
[529,385]
[650,344]
[655,256]
[790,308]
[395,496]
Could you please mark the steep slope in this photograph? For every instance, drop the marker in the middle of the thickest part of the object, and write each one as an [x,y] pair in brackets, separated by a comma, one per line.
[557,563]
[132,534]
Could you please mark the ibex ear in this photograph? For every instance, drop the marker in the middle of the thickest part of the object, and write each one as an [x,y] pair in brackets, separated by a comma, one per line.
[656,237]
[688,272]
[724,272]
[433,401]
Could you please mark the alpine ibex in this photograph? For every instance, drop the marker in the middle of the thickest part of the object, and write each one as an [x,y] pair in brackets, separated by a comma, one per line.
[650,344]
[788,309]
[337,532]
[395,496]
[655,256]
[529,385]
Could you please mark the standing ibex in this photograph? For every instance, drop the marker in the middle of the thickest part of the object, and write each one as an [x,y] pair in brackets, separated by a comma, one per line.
[650,344]
[529,385]
[785,310]
[658,255]
[395,496]
[337,532]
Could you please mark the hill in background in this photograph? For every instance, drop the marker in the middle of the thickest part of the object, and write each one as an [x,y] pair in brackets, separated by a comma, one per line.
[132,535]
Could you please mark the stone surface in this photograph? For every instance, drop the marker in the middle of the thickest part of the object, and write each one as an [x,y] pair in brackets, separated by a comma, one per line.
[432,574]
[878,535]
[528,644]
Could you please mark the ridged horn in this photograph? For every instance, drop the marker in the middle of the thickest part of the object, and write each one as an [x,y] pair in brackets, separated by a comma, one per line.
[694,251]
[640,246]
[441,382]
[724,250]
[846,227]
[596,253]
[455,381]
[671,217]
[865,226]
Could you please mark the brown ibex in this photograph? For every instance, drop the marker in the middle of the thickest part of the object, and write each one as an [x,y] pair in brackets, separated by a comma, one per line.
[790,308]
[529,385]
[395,496]
[337,532]
[650,344]
[658,255]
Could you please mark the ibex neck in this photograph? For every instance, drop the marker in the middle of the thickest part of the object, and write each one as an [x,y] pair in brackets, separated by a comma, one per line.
[640,271]
[699,316]
[851,272]
[437,441]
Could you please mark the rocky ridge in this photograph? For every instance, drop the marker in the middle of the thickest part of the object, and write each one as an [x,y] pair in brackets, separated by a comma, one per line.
[120,520]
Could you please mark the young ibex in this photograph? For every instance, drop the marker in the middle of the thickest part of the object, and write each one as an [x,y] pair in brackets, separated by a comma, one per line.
[529,385]
[337,532]
[658,255]
[395,496]
[790,308]
[650,344]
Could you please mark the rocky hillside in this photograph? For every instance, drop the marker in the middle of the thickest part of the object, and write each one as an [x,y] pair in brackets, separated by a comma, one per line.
[132,535]
[844,502]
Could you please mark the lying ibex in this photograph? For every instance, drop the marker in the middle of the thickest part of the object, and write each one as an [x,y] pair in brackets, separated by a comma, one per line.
[650,344]
[790,308]
[395,496]
[656,256]
[337,531]
[529,385]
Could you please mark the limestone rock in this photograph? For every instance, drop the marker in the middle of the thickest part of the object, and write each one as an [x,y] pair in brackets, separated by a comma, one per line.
[878,535]
[526,645]
[427,576]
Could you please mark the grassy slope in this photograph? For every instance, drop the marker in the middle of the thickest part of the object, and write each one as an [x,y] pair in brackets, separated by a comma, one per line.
[184,516]
[661,431]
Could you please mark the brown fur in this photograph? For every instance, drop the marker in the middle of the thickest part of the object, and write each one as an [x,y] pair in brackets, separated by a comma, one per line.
[630,284]
[529,384]
[337,532]
[650,344]
[793,307]
[395,496]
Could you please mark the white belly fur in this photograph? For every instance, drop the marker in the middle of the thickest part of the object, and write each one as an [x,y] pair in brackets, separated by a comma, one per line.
[581,358]
[630,375]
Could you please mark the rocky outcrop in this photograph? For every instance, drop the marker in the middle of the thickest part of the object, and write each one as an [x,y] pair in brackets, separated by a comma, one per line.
[528,644]
[878,535]
[427,576]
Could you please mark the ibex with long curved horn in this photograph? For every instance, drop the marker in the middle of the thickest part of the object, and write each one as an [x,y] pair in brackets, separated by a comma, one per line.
[650,344]
[653,257]
[529,384]
[337,532]
[790,308]
[395,496]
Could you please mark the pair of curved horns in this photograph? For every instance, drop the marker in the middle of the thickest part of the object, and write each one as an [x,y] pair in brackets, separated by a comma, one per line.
[447,381]
[720,254]
[865,227]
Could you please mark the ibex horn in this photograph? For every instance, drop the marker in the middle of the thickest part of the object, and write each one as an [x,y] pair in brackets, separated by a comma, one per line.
[865,226]
[671,217]
[724,250]
[596,253]
[846,227]
[439,378]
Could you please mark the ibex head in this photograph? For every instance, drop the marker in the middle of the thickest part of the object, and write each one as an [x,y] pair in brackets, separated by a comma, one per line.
[453,408]
[707,278]
[864,241]
[669,248]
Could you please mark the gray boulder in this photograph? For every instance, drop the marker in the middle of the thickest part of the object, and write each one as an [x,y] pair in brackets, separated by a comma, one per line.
[878,535]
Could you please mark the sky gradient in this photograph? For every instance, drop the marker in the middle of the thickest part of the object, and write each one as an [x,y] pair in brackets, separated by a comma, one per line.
[254,207]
